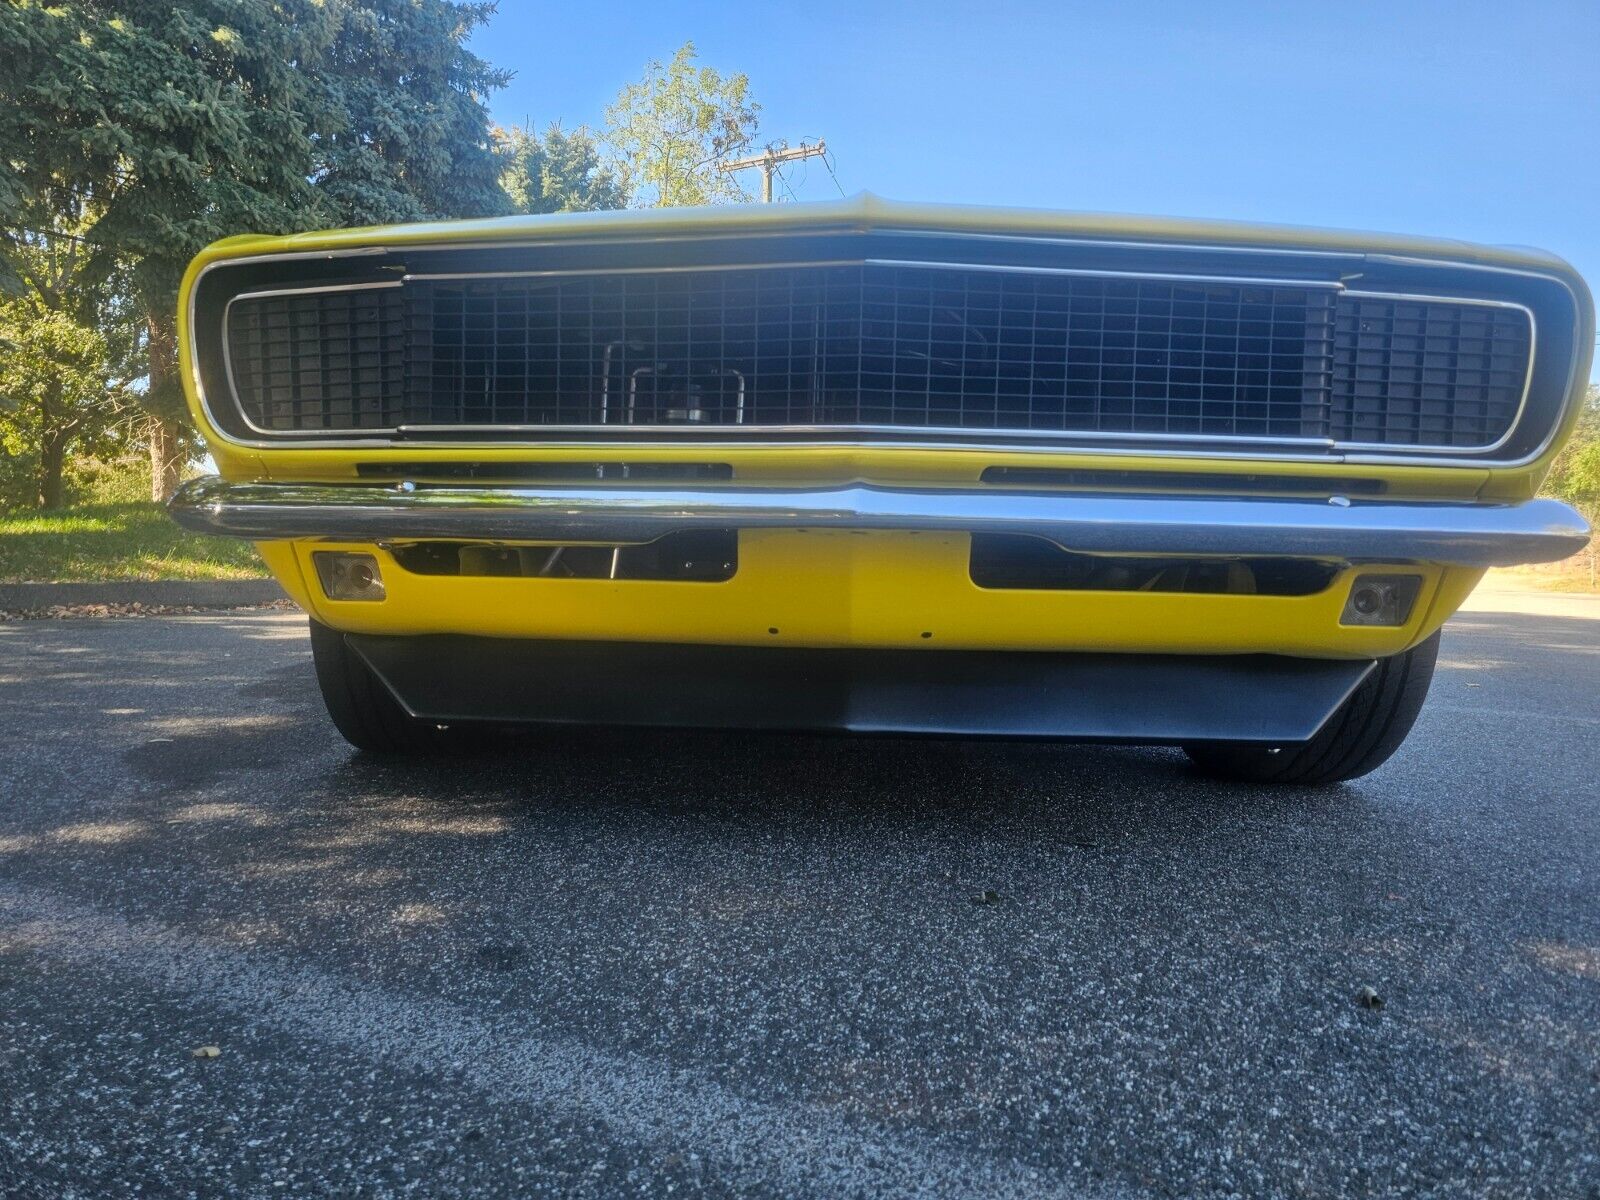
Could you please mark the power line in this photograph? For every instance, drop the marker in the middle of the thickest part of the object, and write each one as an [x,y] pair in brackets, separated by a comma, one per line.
[769,159]
[827,161]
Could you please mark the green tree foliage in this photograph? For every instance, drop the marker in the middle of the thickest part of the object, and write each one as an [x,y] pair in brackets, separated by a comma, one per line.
[1575,475]
[59,395]
[400,129]
[669,131]
[165,124]
[69,351]
[135,132]
[558,172]
[162,127]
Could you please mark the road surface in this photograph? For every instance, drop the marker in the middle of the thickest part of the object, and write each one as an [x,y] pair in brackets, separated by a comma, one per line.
[616,964]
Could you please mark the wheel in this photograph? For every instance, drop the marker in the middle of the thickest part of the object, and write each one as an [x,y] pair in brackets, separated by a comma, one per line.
[362,707]
[1357,739]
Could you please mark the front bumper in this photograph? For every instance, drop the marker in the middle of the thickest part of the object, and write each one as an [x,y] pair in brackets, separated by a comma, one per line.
[1464,534]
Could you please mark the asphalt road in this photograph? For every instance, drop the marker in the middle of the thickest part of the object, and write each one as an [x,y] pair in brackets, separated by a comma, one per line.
[616,964]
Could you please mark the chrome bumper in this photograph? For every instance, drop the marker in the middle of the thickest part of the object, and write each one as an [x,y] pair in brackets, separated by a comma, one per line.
[1464,534]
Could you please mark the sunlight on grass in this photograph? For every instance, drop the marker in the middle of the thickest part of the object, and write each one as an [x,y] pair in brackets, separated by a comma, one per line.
[116,541]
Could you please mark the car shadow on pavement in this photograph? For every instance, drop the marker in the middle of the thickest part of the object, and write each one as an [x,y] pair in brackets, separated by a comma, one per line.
[1075,791]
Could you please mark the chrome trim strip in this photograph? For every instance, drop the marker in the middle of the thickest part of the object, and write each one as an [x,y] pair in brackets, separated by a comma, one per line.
[1420,296]
[1454,460]
[1354,256]
[1043,435]
[757,235]
[1001,269]
[265,293]
[1470,534]
[1244,280]
[755,266]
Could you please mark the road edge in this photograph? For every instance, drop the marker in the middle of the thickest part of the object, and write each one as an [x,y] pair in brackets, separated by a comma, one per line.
[141,593]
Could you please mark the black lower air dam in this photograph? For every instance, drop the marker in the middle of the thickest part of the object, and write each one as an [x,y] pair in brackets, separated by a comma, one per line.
[1079,697]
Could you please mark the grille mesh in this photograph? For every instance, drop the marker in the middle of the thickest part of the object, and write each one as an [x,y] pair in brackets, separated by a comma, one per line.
[1412,372]
[322,360]
[883,345]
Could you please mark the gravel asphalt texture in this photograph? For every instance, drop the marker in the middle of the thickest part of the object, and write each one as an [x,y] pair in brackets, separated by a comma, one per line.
[613,964]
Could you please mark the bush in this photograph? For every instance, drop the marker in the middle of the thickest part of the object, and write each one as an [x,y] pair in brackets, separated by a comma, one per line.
[1575,475]
[124,480]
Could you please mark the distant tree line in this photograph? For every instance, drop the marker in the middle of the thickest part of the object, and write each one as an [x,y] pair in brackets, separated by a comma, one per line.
[1575,475]
[135,132]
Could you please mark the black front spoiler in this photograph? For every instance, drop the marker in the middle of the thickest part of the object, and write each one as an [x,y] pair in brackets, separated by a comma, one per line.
[1081,697]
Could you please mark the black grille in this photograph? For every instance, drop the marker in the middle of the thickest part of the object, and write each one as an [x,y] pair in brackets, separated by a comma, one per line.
[1428,373]
[881,345]
[320,360]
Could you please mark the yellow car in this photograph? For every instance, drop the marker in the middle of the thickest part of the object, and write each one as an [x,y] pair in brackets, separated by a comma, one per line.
[885,467]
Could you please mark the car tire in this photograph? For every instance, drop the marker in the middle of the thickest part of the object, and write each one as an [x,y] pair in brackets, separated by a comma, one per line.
[1358,738]
[363,708]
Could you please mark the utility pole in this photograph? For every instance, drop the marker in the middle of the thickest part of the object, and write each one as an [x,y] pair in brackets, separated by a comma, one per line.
[768,161]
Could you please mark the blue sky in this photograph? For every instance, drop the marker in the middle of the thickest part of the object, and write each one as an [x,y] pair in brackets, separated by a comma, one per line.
[1464,119]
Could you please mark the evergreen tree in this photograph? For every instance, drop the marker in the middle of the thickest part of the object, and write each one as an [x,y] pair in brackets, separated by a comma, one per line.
[166,127]
[401,131]
[559,172]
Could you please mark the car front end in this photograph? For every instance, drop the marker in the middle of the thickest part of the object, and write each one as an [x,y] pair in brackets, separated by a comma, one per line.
[881,467]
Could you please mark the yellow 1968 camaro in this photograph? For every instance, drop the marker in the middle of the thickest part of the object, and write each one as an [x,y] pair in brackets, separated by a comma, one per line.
[885,467]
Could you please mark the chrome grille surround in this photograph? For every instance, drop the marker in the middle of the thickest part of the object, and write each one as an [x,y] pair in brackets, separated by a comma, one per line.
[941,349]
[867,229]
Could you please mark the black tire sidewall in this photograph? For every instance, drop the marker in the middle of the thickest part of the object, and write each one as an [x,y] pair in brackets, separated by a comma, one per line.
[1360,737]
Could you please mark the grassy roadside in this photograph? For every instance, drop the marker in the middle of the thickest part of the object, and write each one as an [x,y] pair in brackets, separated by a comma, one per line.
[122,540]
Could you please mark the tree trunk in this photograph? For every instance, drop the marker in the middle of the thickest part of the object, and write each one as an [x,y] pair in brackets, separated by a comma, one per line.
[166,458]
[52,456]
[164,403]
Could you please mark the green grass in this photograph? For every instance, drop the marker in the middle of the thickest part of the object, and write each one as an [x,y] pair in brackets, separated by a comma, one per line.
[128,540]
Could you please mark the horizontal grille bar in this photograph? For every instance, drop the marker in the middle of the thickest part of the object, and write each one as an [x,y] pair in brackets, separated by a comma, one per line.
[883,345]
